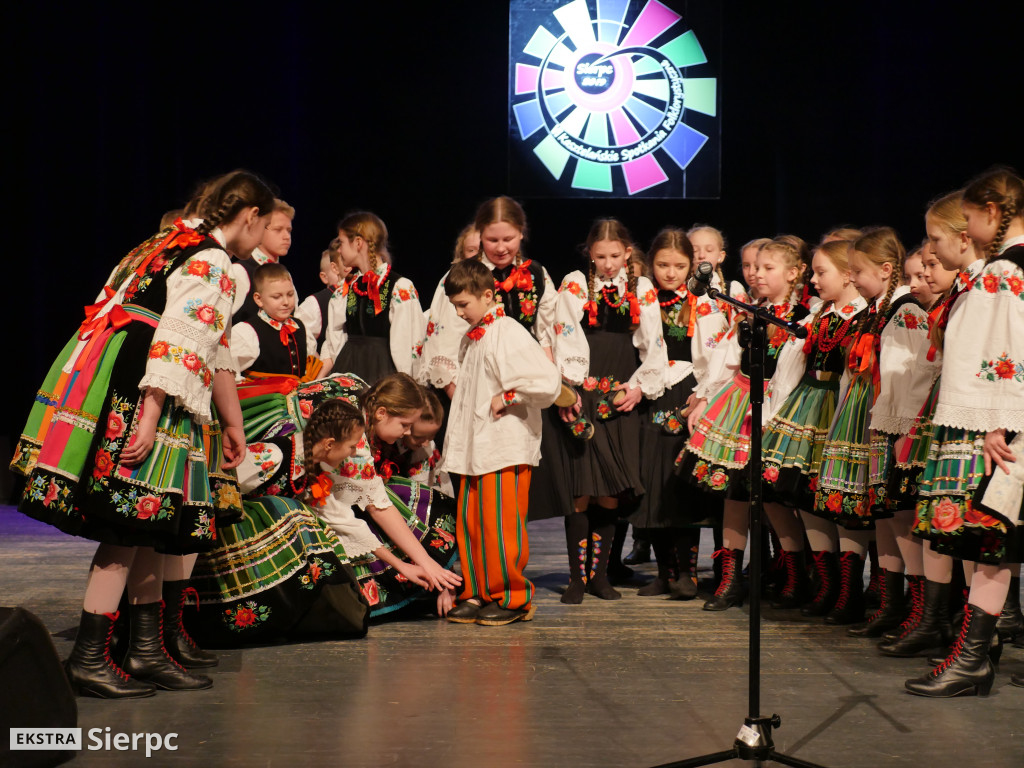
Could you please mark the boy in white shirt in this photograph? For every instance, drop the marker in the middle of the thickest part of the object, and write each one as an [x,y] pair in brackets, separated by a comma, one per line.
[492,441]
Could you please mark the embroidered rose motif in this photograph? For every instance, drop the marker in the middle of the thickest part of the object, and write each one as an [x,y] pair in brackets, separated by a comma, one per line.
[771,473]
[191,362]
[834,502]
[367,472]
[403,295]
[910,320]
[158,350]
[146,507]
[206,314]
[103,465]
[371,592]
[703,309]
[1004,369]
[226,285]
[198,267]
[306,408]
[946,516]
[700,471]
[974,517]
[51,494]
[431,328]
[115,425]
[991,283]
[1016,284]
[718,479]
[528,307]
[245,617]
[812,484]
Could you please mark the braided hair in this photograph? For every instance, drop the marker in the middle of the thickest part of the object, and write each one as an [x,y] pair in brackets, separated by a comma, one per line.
[615,231]
[336,419]
[1003,187]
[220,200]
[880,246]
[369,227]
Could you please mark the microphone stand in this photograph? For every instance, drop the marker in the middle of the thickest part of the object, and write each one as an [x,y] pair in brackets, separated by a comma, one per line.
[754,740]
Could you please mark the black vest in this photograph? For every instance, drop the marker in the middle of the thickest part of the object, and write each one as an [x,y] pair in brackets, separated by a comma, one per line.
[274,356]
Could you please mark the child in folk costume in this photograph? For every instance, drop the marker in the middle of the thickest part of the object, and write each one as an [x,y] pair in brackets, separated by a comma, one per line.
[277,240]
[273,342]
[886,383]
[523,286]
[949,262]
[375,326]
[716,455]
[915,279]
[709,245]
[970,492]
[608,341]
[794,438]
[122,445]
[313,309]
[493,440]
[691,326]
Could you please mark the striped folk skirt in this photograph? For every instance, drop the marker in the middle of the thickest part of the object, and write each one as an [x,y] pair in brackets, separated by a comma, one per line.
[280,572]
[842,494]
[716,455]
[945,514]
[794,440]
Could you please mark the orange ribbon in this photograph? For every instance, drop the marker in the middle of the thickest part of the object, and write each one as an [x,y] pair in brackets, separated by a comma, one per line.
[286,331]
[95,323]
[519,277]
[591,308]
[373,283]
[320,489]
[691,299]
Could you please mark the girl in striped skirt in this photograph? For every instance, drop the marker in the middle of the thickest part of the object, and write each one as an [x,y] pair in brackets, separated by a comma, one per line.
[716,455]
[794,439]
[970,491]
[885,384]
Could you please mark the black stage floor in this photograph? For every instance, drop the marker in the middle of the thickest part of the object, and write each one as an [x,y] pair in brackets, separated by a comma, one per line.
[637,682]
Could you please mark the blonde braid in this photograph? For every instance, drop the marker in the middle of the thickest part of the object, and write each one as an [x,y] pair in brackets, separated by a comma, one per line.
[996,245]
[371,253]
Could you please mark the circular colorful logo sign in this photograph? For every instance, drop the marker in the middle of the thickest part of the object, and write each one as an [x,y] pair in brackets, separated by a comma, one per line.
[607,92]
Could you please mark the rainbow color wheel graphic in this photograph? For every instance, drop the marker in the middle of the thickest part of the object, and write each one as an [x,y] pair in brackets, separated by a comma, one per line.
[607,90]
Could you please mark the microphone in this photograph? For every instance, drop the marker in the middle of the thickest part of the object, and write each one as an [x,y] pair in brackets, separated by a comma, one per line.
[700,281]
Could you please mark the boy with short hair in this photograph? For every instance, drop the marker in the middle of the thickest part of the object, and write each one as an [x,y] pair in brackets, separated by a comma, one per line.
[493,440]
[313,309]
[273,342]
[277,239]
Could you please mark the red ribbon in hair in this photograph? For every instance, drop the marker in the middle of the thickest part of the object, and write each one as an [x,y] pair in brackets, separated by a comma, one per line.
[187,236]
[320,489]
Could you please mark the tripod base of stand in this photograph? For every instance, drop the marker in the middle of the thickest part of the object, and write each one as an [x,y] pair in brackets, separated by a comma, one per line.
[753,743]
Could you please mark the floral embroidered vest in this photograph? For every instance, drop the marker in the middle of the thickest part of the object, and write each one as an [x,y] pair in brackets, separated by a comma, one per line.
[521,302]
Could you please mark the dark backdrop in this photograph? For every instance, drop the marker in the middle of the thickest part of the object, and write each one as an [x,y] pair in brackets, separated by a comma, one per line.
[833,113]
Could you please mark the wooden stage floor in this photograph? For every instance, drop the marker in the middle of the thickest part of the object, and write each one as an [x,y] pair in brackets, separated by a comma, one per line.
[636,682]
